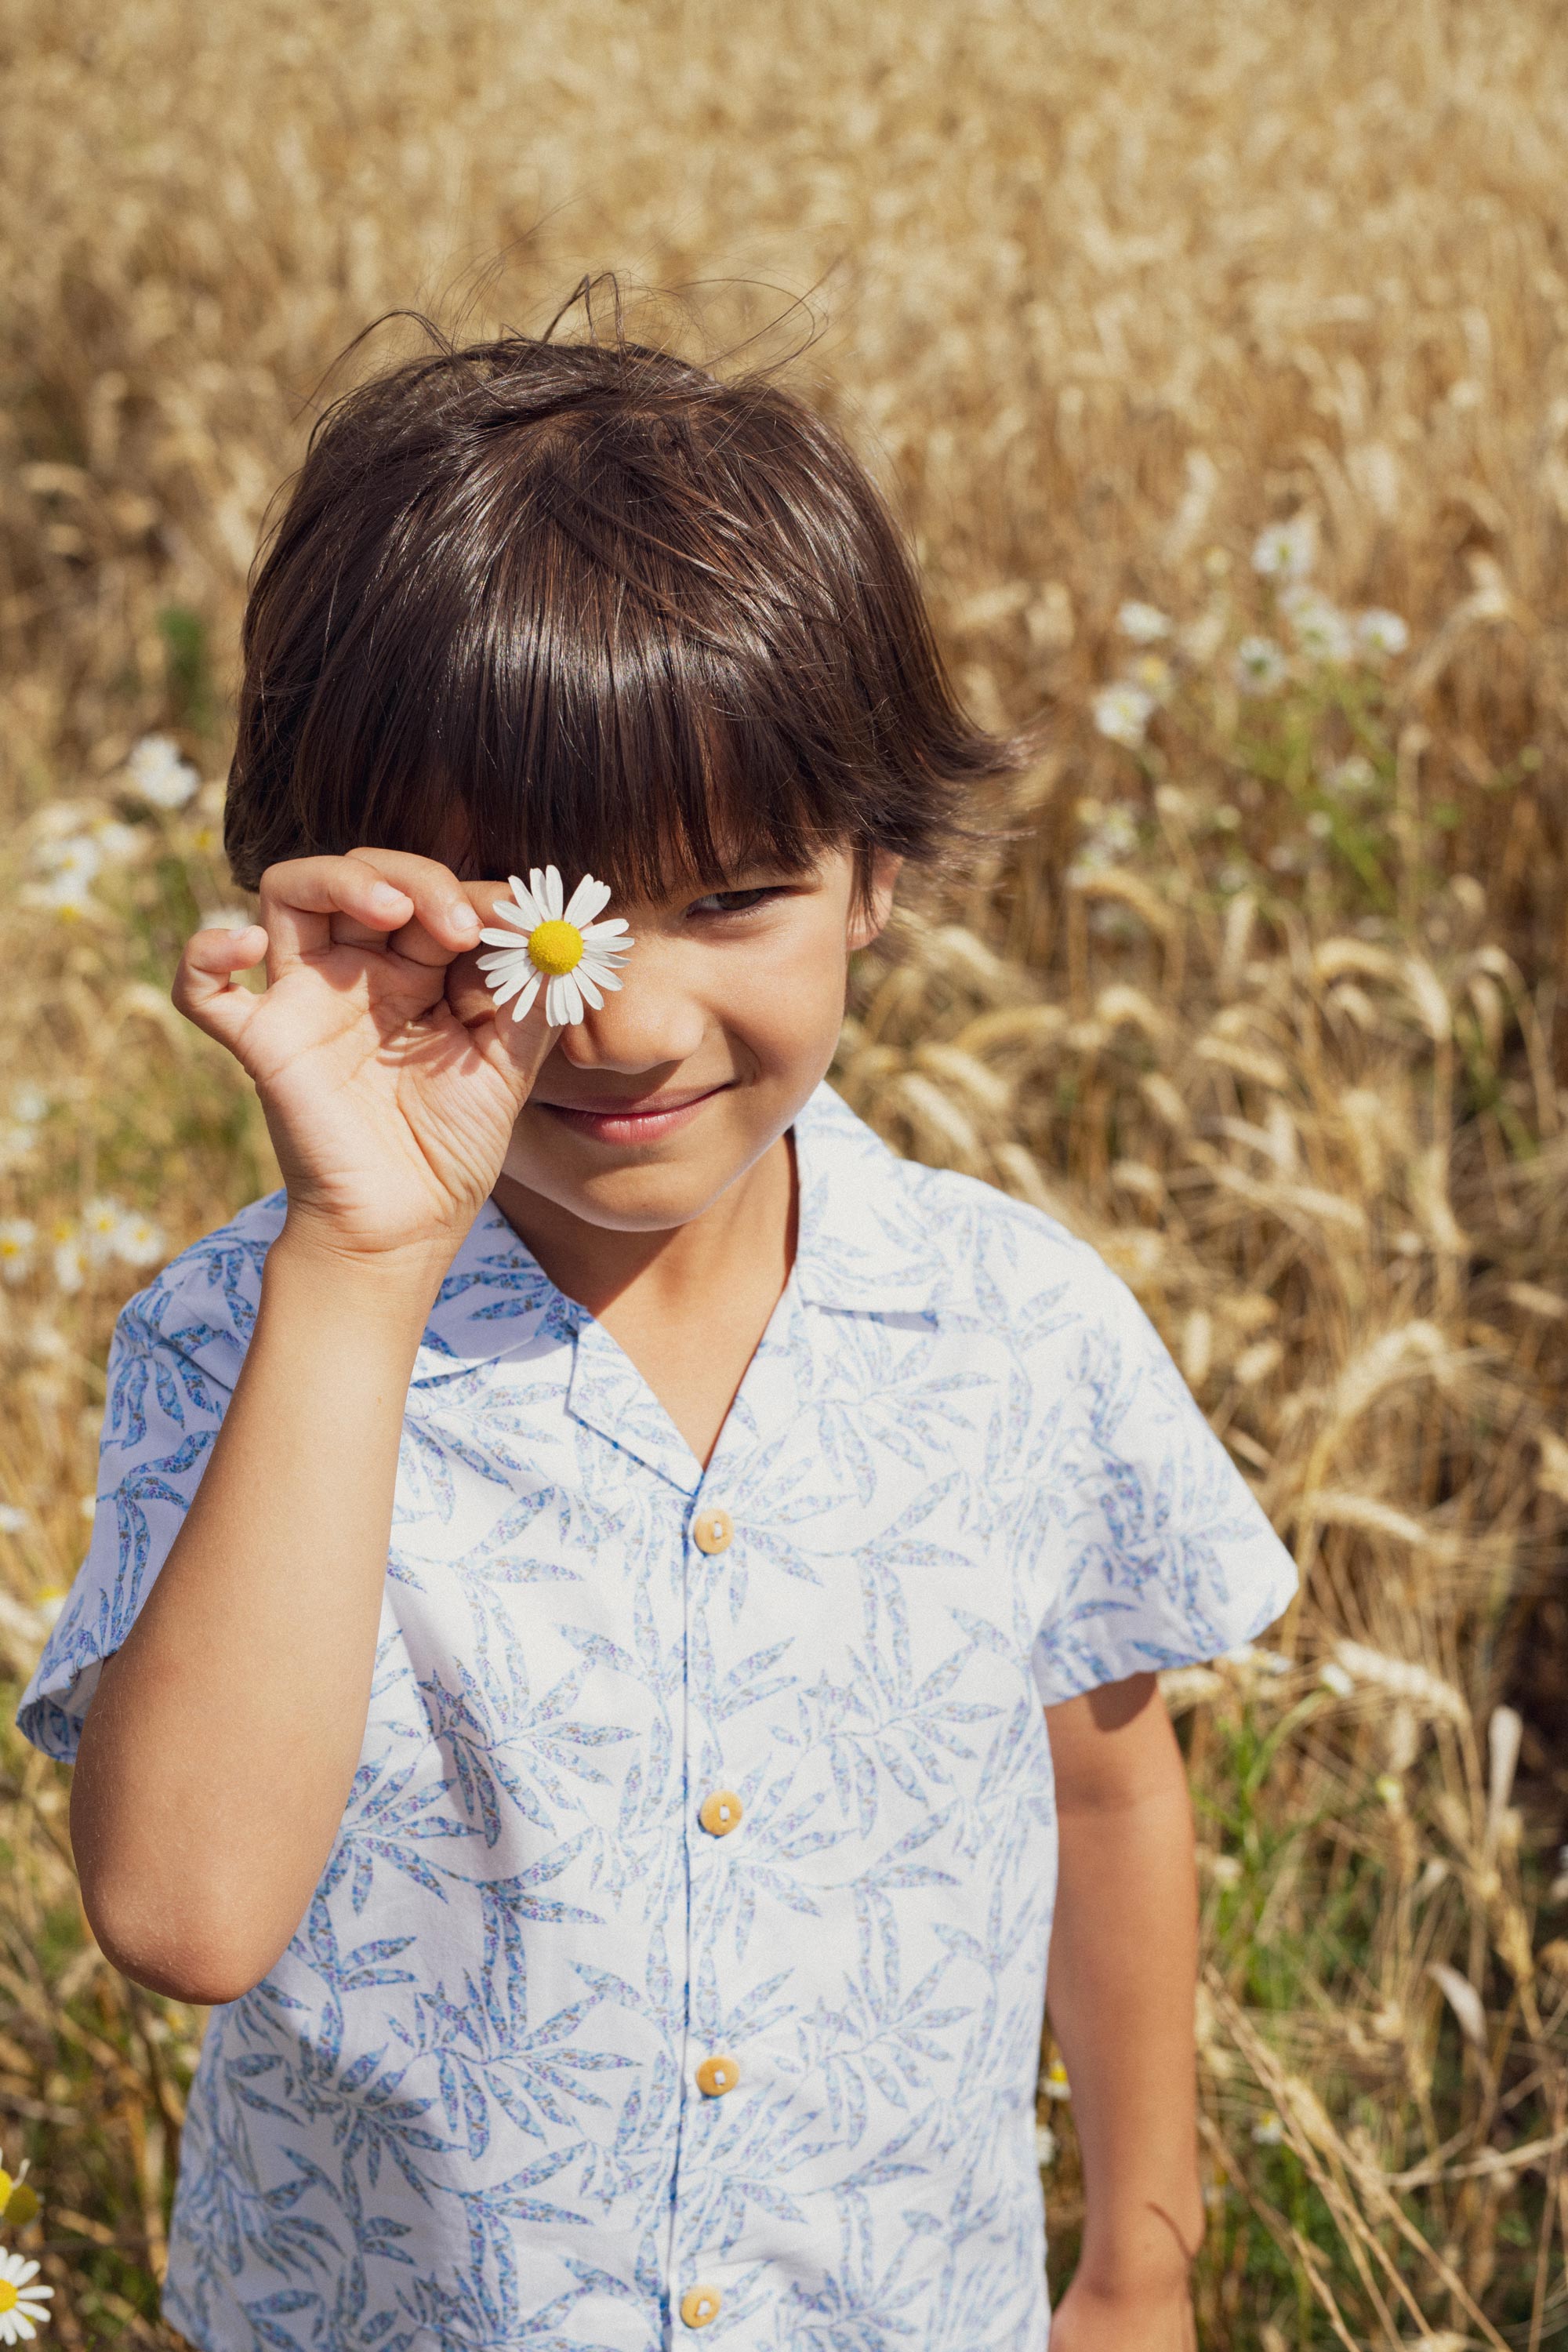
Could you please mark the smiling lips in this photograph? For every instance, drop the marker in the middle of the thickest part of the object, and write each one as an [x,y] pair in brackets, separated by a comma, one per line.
[608,1121]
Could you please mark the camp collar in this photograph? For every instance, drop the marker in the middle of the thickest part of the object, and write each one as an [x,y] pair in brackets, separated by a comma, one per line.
[865,1245]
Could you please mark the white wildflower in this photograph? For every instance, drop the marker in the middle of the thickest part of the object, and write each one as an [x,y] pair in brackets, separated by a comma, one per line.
[1381,634]
[1353,775]
[18,1235]
[24,2307]
[1286,550]
[157,773]
[69,896]
[1056,2084]
[556,944]
[119,844]
[1122,712]
[70,1262]
[1270,2131]
[1320,825]
[1261,666]
[1333,1677]
[12,1520]
[137,1241]
[1319,627]
[1144,623]
[77,854]
[1044,2146]
[29,1104]
[100,1221]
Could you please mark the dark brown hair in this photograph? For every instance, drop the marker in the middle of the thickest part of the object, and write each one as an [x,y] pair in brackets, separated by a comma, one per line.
[585,604]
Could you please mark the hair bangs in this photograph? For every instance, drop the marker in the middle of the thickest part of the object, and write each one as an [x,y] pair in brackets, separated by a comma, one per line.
[612,723]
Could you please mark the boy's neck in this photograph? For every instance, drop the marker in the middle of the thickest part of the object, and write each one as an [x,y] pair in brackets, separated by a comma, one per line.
[741,1247]
[687,1305]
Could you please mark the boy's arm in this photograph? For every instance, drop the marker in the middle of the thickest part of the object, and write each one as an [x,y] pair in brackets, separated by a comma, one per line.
[222,1739]
[221,1742]
[1121,1994]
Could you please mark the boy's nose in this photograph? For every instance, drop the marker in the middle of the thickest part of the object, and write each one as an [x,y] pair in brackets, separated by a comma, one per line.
[649,1020]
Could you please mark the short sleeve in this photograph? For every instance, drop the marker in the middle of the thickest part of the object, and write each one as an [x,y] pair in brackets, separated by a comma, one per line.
[173,1360]
[1163,1556]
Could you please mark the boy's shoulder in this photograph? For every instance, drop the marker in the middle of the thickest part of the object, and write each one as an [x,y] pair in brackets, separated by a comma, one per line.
[202,1303]
[879,1230]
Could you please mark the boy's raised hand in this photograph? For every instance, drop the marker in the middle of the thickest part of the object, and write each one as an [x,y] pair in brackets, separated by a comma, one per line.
[389,1110]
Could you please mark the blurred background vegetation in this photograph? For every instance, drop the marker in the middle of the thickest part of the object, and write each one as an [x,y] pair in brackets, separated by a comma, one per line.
[1216,356]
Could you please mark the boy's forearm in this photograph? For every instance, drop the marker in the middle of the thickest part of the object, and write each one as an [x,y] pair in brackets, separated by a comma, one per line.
[1121,1996]
[222,1740]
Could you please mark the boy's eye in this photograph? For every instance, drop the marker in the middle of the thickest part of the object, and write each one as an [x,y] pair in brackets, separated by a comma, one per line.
[732,902]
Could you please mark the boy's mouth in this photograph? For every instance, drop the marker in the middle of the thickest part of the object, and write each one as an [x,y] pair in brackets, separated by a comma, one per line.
[646,1120]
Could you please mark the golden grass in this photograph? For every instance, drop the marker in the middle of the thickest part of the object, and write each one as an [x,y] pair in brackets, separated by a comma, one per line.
[1105,293]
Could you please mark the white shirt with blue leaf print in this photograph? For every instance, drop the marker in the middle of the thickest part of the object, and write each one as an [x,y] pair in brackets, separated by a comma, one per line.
[462,2113]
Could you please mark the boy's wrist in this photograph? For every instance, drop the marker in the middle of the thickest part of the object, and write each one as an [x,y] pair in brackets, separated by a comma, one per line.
[1146,2252]
[396,1286]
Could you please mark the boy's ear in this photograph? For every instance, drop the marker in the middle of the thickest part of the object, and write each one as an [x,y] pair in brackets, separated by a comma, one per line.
[867,923]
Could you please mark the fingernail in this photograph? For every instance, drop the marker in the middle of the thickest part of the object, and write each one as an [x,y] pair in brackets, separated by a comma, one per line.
[465,920]
[385,900]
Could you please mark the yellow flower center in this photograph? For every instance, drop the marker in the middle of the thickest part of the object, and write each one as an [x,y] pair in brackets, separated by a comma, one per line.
[555,947]
[9,2298]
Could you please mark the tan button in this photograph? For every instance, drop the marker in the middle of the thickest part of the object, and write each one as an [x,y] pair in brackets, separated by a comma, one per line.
[700,2306]
[713,1530]
[716,2076]
[720,1812]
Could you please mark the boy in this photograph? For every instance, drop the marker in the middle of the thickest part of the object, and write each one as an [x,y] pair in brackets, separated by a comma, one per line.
[583,1574]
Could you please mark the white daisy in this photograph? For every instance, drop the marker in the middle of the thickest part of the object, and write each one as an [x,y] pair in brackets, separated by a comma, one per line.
[1122,712]
[18,1235]
[1144,623]
[23,2306]
[1286,550]
[100,1221]
[1319,627]
[1260,665]
[157,773]
[1381,632]
[560,948]
[137,1241]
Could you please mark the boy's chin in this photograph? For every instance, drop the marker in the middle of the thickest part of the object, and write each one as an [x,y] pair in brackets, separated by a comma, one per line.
[627,1200]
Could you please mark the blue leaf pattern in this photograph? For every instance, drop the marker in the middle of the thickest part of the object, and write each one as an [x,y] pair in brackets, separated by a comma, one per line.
[461,2114]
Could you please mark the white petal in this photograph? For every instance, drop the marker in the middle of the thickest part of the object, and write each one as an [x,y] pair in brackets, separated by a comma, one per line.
[605,931]
[586,901]
[529,910]
[496,938]
[586,988]
[530,990]
[502,959]
[602,975]
[503,991]
[554,901]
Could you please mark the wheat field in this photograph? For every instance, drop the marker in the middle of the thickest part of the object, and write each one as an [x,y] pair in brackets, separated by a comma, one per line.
[1216,359]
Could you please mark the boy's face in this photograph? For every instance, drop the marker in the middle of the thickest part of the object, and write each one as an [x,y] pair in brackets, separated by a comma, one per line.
[727,1018]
